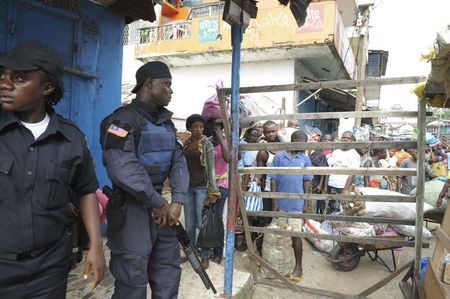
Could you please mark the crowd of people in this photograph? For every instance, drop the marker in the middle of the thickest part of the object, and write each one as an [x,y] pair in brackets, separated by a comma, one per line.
[436,168]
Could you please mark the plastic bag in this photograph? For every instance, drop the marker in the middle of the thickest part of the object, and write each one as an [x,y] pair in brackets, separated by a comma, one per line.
[410,230]
[314,227]
[431,192]
[277,251]
[211,233]
[254,203]
[398,210]
[211,107]
[248,107]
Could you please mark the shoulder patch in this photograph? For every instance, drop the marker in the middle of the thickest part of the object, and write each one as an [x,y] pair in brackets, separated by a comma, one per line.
[117,131]
[116,134]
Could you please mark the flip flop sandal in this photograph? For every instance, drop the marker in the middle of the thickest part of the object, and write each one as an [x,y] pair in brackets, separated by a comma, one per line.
[295,278]
[217,259]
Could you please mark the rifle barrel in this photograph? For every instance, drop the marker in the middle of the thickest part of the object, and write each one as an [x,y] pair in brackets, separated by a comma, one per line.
[192,256]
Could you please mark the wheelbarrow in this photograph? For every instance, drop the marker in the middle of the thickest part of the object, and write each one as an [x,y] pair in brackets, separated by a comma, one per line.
[346,256]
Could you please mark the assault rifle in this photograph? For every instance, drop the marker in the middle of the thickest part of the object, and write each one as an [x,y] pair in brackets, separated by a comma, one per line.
[192,256]
[116,216]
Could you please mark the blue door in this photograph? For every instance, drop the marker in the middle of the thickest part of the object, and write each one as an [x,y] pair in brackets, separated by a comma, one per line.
[55,27]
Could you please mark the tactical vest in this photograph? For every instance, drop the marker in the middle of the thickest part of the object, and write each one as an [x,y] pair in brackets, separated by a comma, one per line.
[155,151]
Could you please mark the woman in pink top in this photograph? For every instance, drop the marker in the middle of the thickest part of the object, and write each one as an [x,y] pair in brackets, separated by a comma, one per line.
[221,159]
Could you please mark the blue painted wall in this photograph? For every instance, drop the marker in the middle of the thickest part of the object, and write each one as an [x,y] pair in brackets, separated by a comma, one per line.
[89,39]
[310,106]
[102,48]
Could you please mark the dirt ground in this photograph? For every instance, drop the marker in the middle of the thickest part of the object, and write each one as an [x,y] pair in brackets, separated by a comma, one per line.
[320,273]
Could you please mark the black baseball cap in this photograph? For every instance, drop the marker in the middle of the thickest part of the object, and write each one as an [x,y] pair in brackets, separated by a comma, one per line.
[33,55]
[153,70]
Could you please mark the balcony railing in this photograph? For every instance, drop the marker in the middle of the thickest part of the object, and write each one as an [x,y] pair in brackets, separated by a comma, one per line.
[173,31]
[206,11]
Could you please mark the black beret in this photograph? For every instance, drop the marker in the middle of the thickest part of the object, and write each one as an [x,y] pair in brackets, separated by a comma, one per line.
[153,70]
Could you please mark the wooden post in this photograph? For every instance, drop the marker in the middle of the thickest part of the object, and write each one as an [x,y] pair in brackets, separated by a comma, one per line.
[345,84]
[247,232]
[385,280]
[419,194]
[362,60]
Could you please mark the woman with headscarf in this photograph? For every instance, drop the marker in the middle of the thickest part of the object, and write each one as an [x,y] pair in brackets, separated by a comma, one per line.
[318,159]
[259,126]
[199,153]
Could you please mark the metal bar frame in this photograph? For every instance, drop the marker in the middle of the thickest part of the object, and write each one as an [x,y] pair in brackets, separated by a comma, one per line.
[332,115]
[330,170]
[308,97]
[339,238]
[345,84]
[327,145]
[235,186]
[338,197]
[332,217]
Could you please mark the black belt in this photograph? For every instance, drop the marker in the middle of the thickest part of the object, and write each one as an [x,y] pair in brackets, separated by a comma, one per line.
[26,255]
[130,199]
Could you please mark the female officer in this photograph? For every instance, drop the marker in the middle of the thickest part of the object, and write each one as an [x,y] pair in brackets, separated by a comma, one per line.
[43,160]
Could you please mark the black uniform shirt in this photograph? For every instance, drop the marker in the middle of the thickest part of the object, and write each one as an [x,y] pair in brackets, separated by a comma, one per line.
[36,177]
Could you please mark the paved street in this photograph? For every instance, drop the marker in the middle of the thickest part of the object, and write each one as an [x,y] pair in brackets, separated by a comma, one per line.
[79,288]
[191,286]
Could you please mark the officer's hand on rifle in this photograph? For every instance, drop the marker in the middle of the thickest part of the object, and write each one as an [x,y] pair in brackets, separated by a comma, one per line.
[175,212]
[161,214]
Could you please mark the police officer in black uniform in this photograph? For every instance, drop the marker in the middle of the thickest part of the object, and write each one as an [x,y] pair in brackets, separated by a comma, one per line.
[43,160]
[140,152]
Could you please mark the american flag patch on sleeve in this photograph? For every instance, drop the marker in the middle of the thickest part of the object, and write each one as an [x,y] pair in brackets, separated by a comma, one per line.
[118,131]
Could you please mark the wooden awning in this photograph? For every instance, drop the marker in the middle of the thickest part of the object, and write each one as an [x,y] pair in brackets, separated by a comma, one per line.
[131,9]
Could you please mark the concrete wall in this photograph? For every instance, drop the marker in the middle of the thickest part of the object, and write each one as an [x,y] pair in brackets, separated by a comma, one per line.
[192,86]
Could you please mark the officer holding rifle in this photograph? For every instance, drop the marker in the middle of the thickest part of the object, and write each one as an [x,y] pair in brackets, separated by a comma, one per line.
[140,152]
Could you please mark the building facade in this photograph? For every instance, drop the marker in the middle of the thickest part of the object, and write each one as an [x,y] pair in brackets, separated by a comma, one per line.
[196,43]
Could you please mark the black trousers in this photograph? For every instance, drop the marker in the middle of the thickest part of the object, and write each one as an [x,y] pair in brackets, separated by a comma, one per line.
[41,277]
[333,206]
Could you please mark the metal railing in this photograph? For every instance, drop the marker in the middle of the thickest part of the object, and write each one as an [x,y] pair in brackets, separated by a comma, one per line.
[173,31]
[206,11]
[235,186]
[131,34]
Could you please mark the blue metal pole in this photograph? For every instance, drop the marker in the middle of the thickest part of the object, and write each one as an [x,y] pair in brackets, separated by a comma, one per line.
[236,38]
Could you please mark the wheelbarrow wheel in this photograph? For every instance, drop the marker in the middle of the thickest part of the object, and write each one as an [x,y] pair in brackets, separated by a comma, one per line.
[345,257]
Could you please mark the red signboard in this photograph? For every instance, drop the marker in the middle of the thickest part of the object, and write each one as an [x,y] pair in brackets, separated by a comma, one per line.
[315,19]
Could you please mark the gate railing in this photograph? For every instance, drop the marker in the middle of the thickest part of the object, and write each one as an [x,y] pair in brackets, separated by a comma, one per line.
[419,144]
